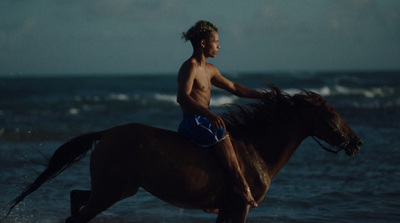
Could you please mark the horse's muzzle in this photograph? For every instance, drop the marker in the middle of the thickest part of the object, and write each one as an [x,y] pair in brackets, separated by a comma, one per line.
[353,147]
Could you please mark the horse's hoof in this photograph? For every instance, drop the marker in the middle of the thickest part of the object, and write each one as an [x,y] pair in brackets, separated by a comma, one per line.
[69,220]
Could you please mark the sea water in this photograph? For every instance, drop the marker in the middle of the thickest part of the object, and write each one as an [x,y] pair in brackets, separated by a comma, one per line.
[39,113]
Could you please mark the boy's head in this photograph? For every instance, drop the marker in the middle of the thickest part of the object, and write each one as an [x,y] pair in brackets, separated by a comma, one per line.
[201,30]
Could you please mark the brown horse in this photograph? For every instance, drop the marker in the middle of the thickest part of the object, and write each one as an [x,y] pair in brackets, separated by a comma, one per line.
[264,134]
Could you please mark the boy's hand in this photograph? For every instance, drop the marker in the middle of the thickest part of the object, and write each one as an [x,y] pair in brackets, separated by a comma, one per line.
[216,121]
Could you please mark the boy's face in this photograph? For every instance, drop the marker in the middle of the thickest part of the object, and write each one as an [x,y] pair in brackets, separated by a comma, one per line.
[211,47]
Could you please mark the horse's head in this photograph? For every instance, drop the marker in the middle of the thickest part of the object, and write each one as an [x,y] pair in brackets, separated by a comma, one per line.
[325,123]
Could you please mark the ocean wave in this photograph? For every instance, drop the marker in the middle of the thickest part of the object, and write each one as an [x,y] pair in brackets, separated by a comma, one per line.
[118,97]
[367,92]
[356,97]
[339,90]
[109,97]
[375,104]
[217,100]
[74,111]
[166,98]
[222,100]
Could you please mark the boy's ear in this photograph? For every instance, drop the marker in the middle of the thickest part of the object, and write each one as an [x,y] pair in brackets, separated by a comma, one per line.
[203,43]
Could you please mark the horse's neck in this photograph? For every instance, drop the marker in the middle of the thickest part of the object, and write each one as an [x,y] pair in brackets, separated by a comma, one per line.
[266,157]
[276,151]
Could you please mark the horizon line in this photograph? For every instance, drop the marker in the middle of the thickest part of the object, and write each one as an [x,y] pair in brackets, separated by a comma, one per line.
[282,71]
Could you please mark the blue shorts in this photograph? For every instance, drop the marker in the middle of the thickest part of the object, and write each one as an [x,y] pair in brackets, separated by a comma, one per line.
[198,129]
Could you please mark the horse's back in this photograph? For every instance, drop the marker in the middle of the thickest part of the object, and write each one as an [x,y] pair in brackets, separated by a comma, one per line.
[132,144]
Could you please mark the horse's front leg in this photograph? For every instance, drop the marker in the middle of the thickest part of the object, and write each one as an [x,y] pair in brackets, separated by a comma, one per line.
[234,213]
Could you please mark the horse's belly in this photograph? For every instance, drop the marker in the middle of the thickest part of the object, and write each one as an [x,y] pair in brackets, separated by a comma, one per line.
[187,189]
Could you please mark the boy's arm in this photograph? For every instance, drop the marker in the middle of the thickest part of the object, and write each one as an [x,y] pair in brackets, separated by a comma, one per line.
[234,88]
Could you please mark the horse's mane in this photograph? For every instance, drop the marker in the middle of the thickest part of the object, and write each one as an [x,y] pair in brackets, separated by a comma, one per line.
[266,115]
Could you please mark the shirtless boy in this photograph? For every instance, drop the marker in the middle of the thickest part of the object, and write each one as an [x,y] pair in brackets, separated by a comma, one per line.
[199,123]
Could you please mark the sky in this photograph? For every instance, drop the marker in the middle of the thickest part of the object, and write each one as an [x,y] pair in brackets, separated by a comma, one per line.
[144,36]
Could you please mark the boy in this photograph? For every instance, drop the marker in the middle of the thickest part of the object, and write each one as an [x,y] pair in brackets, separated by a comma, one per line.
[199,123]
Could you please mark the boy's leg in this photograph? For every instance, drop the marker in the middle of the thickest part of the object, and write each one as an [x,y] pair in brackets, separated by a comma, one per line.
[227,157]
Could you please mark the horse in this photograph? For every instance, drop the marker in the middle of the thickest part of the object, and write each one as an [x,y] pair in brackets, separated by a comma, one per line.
[264,134]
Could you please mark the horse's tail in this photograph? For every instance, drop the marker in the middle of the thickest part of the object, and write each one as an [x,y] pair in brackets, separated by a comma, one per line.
[67,154]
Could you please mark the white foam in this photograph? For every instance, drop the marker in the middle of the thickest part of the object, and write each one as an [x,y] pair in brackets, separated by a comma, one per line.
[222,100]
[74,111]
[118,97]
[166,98]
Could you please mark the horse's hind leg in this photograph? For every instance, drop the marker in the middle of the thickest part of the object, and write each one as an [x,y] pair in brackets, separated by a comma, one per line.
[95,206]
[100,200]
[79,198]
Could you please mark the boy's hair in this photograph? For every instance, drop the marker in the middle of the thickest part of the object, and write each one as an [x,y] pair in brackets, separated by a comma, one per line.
[201,30]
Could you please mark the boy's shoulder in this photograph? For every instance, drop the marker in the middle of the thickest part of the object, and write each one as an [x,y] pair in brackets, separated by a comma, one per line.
[192,67]
[189,64]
